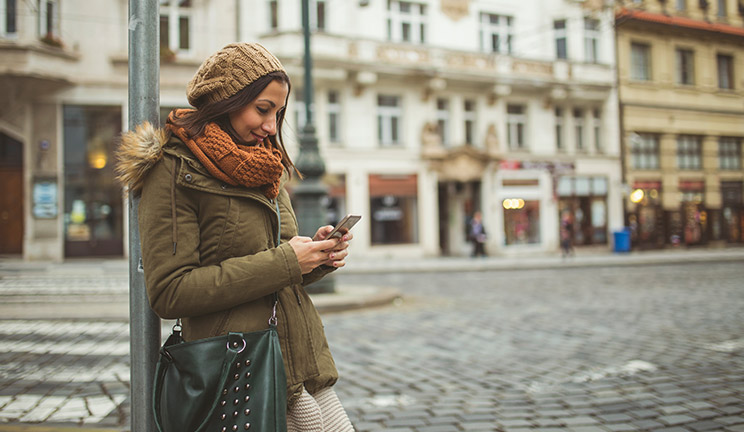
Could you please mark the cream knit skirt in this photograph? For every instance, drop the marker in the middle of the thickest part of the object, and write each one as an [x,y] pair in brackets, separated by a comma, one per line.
[321,412]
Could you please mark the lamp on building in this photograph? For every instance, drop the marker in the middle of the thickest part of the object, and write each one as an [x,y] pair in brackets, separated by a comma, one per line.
[311,193]
[637,196]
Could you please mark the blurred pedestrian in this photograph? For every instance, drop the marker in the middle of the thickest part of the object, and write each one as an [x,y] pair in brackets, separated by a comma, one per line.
[477,235]
[566,234]
[212,187]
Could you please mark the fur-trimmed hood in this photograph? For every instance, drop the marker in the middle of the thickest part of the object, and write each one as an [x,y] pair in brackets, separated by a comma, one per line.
[138,152]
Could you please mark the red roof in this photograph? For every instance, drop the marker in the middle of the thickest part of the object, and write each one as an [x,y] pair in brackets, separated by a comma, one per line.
[679,22]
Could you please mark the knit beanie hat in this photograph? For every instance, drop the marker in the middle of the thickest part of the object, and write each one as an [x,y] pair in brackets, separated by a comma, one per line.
[229,70]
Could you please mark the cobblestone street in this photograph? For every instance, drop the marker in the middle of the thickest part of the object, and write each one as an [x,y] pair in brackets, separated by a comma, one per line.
[577,349]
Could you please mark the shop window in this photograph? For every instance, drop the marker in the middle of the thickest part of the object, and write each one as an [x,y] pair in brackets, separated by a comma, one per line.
[591,40]
[685,66]
[406,21]
[336,199]
[729,153]
[693,212]
[640,62]
[584,200]
[389,114]
[689,152]
[644,151]
[521,221]
[394,209]
[175,26]
[725,64]
[561,43]
[497,33]
[92,198]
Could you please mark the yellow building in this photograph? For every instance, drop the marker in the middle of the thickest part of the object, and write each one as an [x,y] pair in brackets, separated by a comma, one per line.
[681,89]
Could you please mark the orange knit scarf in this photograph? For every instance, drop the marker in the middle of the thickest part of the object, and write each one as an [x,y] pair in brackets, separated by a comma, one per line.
[258,166]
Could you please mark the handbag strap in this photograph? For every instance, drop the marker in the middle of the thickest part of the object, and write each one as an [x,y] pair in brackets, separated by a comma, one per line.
[272,319]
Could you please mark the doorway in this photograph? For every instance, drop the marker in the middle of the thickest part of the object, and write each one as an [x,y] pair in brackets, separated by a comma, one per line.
[11,196]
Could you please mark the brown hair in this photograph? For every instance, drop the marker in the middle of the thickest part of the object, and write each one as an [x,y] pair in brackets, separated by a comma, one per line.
[195,121]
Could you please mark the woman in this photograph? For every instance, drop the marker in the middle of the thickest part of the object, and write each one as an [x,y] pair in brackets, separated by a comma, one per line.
[211,182]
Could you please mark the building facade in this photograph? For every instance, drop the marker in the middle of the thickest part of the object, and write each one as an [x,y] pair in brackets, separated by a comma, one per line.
[426,112]
[681,87]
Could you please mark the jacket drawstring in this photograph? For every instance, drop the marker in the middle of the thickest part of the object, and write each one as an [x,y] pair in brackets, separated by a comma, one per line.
[174,225]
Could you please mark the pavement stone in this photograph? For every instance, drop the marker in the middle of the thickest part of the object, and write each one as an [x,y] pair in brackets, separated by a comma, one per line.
[605,343]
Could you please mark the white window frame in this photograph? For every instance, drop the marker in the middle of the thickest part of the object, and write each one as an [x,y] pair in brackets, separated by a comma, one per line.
[640,71]
[389,121]
[683,58]
[597,130]
[689,152]
[560,122]
[680,5]
[300,110]
[579,129]
[5,15]
[644,151]
[175,12]
[722,9]
[334,116]
[273,14]
[516,127]
[591,40]
[44,25]
[443,120]
[412,14]
[502,29]
[725,71]
[560,35]
[470,118]
[318,7]
[729,153]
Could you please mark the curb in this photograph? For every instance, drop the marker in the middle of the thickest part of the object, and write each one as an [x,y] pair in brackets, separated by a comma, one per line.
[40,428]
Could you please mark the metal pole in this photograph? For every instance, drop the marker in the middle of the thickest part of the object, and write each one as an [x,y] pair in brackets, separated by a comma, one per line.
[309,194]
[144,101]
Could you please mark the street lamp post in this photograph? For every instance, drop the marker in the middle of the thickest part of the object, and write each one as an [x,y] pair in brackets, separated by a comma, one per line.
[310,193]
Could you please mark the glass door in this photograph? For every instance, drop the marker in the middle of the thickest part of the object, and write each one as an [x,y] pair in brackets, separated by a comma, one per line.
[93,199]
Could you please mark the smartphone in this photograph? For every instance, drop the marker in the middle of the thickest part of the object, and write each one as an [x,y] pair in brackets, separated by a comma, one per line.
[344,226]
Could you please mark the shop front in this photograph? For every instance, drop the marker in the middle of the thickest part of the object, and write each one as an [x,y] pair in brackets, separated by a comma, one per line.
[732,211]
[583,201]
[646,218]
[93,207]
[693,214]
[11,195]
[394,209]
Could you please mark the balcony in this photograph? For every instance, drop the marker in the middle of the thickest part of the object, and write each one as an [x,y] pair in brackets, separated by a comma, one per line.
[43,68]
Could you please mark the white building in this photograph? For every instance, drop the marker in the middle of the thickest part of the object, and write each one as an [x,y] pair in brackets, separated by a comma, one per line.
[426,111]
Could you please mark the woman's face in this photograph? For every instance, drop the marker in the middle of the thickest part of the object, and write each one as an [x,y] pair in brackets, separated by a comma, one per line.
[257,120]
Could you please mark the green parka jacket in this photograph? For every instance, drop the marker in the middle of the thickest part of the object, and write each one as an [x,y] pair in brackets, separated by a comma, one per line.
[210,256]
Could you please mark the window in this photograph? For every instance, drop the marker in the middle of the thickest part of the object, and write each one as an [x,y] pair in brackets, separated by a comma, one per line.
[393,207]
[300,110]
[725,71]
[729,153]
[597,128]
[516,121]
[685,66]
[591,40]
[578,115]
[334,117]
[443,119]
[644,151]
[389,115]
[49,19]
[722,9]
[559,30]
[521,221]
[559,145]
[406,21]
[318,15]
[469,116]
[681,5]
[497,33]
[640,62]
[689,152]
[175,25]
[274,14]
[8,16]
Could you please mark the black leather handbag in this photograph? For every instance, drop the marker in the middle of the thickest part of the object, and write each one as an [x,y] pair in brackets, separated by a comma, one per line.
[224,383]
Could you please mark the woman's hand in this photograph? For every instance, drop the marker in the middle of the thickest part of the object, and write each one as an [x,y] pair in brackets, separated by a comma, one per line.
[312,253]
